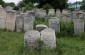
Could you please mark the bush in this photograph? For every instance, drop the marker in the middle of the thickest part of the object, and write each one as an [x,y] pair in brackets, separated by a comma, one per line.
[66,28]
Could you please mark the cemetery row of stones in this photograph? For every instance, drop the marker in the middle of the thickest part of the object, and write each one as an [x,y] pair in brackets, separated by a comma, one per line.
[11,20]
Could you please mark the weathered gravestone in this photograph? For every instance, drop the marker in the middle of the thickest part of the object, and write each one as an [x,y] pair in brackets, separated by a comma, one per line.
[51,12]
[49,38]
[2,18]
[28,21]
[30,39]
[54,23]
[66,18]
[40,13]
[10,20]
[20,22]
[79,24]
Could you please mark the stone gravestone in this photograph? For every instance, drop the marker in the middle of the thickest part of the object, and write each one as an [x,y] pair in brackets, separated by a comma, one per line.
[49,38]
[30,39]
[40,13]
[51,12]
[28,21]
[79,24]
[2,18]
[54,23]
[19,22]
[10,20]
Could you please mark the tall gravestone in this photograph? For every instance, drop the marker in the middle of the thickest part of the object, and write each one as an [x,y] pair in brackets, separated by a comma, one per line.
[10,20]
[2,18]
[54,23]
[20,22]
[79,24]
[28,21]
[49,38]
[30,39]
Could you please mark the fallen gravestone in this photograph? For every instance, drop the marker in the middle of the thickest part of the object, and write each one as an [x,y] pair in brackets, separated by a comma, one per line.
[40,27]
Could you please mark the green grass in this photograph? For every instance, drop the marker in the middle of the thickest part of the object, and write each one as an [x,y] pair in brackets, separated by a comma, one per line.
[11,43]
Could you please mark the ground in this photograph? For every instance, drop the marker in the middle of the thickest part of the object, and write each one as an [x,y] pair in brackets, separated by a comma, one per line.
[12,43]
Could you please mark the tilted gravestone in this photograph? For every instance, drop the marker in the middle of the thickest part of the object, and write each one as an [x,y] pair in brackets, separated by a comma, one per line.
[2,18]
[20,22]
[79,24]
[28,21]
[49,38]
[10,20]
[54,23]
[30,39]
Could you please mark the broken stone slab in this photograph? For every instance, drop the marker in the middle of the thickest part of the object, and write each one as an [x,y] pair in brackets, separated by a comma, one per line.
[40,27]
[30,39]
[49,38]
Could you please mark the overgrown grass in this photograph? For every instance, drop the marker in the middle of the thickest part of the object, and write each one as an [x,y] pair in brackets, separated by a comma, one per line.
[11,43]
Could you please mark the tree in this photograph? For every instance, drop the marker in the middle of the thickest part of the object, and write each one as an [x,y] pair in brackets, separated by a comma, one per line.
[83,5]
[47,7]
[56,4]
[10,4]
[2,2]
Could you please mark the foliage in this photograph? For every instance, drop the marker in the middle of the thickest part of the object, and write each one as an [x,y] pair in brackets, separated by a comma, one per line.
[56,4]
[66,28]
[47,7]
[40,21]
[10,4]
[29,6]
[11,43]
[83,5]
[2,2]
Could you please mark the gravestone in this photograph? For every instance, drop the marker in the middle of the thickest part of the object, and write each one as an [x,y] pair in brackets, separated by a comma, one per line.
[67,18]
[2,18]
[10,20]
[54,23]
[28,21]
[40,13]
[49,38]
[19,22]
[51,12]
[30,39]
[79,24]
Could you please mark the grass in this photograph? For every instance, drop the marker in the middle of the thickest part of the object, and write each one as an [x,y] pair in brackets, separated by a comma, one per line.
[11,43]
